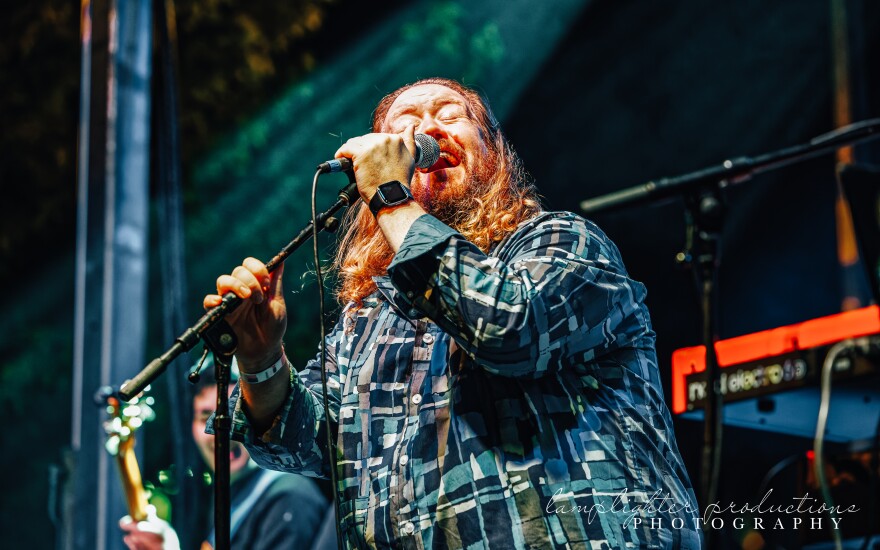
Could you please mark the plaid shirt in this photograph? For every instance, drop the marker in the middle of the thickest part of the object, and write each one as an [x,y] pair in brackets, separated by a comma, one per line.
[512,401]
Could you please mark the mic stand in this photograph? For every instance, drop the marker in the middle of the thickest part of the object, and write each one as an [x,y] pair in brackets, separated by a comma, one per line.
[705,216]
[348,195]
[705,223]
[221,340]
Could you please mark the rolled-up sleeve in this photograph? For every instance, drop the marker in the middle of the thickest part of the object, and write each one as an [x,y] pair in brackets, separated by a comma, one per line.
[557,293]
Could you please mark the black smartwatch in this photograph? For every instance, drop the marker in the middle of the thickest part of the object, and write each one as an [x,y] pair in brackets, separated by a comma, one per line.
[388,194]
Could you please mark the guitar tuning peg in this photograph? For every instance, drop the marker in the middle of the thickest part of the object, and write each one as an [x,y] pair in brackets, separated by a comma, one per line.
[112,445]
[103,395]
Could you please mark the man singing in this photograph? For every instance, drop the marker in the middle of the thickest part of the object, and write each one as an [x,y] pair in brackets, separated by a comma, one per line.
[493,380]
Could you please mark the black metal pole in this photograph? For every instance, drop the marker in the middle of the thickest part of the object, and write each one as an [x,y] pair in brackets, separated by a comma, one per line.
[111,258]
[222,430]
[705,224]
[221,340]
[172,265]
[708,219]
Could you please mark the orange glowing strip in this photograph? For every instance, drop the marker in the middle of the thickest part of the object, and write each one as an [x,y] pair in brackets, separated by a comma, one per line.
[769,343]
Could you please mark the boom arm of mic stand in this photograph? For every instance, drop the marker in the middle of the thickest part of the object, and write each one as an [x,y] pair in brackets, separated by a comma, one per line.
[734,170]
[191,336]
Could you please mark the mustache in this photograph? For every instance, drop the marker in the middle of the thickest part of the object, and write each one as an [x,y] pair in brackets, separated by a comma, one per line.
[451,147]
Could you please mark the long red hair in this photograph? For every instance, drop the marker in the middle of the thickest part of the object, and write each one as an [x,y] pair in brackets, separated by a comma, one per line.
[505,198]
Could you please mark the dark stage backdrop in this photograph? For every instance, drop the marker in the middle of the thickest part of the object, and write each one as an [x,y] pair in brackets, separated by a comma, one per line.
[595,96]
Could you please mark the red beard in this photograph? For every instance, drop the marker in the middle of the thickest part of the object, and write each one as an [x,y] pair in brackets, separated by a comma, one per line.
[452,201]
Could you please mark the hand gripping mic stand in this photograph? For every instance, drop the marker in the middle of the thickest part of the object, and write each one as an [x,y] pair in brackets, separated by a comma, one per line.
[702,191]
[220,339]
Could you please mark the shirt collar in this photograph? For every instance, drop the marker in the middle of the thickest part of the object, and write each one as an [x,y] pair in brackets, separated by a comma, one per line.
[393,297]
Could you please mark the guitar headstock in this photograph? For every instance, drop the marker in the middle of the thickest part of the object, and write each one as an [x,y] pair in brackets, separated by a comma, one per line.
[124,419]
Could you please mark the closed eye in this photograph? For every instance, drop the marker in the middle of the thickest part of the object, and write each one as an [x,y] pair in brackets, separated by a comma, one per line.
[402,123]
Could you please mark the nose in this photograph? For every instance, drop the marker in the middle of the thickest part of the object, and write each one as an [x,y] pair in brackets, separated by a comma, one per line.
[431,126]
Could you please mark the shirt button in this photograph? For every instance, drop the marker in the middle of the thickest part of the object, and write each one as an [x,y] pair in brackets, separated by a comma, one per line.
[416,399]
[428,339]
[409,528]
[414,313]
[403,460]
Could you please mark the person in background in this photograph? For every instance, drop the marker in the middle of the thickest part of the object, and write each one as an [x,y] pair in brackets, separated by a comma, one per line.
[269,510]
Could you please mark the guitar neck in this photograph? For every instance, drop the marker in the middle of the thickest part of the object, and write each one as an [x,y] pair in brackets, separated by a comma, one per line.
[120,427]
[132,484]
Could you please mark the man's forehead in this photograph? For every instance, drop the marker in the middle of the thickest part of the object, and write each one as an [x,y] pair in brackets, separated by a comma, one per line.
[424,96]
[207,396]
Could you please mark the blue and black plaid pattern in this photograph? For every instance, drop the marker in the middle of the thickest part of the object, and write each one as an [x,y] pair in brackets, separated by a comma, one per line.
[503,401]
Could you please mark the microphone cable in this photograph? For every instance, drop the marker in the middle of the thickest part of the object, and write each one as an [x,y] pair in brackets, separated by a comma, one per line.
[331,448]
[427,153]
[862,345]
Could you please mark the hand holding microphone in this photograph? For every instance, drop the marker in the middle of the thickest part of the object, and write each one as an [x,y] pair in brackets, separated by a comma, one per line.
[377,159]
[427,153]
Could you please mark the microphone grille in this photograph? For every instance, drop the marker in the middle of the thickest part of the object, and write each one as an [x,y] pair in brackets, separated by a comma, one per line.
[428,151]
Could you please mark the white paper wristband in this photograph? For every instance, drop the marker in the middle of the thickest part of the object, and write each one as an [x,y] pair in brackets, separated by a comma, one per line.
[265,374]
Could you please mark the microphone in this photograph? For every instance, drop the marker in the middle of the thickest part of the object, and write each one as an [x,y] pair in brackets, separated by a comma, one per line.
[427,153]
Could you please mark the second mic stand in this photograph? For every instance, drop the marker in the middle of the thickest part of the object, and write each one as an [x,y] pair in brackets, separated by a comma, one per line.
[705,216]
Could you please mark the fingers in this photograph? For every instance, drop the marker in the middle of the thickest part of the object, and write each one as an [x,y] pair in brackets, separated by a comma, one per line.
[144,541]
[211,300]
[409,138]
[230,283]
[258,269]
[379,158]
[274,286]
[249,280]
[261,320]
[138,539]
[382,148]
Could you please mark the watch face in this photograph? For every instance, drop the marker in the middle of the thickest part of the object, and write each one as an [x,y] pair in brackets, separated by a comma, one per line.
[392,192]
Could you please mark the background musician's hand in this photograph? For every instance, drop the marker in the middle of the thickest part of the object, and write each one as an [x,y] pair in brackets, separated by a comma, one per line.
[153,533]
[261,320]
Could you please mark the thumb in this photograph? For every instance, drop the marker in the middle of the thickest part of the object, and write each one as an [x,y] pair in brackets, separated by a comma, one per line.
[409,138]
[275,285]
